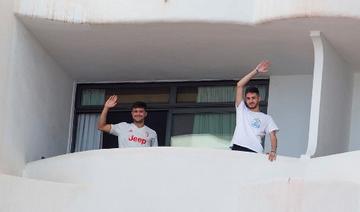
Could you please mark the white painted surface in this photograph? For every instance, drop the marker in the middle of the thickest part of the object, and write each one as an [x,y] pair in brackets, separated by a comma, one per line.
[189,50]
[185,179]
[37,101]
[354,143]
[335,103]
[23,195]
[187,40]
[289,106]
[212,39]
[247,11]
[6,32]
[269,10]
[109,11]
[316,93]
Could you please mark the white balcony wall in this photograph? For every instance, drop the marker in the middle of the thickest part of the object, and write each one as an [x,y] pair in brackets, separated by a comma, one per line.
[36,98]
[289,105]
[108,11]
[245,11]
[272,9]
[6,29]
[184,179]
[355,115]
[19,194]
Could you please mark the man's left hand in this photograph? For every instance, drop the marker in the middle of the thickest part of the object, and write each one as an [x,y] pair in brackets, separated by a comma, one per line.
[272,156]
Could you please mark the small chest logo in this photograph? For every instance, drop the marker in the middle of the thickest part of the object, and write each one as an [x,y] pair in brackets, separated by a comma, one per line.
[256,123]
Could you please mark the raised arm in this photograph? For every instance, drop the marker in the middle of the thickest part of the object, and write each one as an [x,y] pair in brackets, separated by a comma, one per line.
[110,103]
[262,67]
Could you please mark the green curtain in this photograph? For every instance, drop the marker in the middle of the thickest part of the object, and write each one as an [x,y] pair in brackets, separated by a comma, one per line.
[219,124]
[216,94]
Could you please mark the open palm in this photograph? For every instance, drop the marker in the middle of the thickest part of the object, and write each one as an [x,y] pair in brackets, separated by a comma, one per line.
[263,66]
[111,102]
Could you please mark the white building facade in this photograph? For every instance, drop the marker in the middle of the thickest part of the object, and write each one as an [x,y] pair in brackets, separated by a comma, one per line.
[48,48]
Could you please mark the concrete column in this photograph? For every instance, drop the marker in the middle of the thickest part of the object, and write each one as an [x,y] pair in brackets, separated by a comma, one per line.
[331,100]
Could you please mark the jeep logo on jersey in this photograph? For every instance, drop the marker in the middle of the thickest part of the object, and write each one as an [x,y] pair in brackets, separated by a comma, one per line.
[137,139]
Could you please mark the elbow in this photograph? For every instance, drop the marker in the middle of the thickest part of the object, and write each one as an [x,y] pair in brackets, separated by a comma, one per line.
[240,84]
[101,128]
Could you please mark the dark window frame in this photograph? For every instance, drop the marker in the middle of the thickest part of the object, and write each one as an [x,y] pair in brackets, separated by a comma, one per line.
[172,107]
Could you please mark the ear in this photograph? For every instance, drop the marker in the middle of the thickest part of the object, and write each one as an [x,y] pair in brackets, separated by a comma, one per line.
[145,114]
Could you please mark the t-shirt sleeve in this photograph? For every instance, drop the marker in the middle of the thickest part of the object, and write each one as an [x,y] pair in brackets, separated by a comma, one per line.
[154,140]
[271,126]
[241,106]
[116,129]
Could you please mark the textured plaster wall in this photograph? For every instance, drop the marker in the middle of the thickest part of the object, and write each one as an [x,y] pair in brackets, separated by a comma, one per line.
[36,97]
[289,106]
[246,11]
[183,179]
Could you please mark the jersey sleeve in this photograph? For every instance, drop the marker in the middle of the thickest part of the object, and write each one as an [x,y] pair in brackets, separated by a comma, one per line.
[271,126]
[116,129]
[154,140]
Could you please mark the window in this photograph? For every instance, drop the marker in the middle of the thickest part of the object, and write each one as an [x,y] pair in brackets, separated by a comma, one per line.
[196,114]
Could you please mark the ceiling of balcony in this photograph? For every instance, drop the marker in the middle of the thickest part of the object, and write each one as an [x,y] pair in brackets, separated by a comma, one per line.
[190,51]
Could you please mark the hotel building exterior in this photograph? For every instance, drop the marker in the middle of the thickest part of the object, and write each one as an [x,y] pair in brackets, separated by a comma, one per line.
[59,61]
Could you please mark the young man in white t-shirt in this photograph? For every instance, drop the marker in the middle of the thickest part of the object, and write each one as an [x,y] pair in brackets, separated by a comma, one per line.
[136,134]
[251,124]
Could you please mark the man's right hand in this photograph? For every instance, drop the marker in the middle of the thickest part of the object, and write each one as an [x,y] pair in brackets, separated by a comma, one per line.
[111,102]
[263,66]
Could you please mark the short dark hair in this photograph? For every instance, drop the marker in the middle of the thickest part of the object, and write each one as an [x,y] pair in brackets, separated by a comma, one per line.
[252,89]
[139,105]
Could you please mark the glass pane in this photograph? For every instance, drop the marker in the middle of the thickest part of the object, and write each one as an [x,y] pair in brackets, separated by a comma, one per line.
[186,94]
[206,94]
[211,130]
[148,95]
[93,97]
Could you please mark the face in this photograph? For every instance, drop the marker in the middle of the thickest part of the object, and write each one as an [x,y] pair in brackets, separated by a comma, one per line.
[138,114]
[252,100]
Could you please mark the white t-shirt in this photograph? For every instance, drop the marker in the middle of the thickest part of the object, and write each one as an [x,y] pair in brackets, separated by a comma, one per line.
[251,127]
[129,135]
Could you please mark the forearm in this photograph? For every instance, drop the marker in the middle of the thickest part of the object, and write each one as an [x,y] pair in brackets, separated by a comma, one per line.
[102,118]
[241,84]
[273,141]
[247,78]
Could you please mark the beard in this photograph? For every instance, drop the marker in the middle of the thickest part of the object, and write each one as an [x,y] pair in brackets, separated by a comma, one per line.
[251,107]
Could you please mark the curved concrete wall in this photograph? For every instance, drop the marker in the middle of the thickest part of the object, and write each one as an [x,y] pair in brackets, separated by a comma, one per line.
[332,86]
[184,179]
[34,120]
[21,195]
[246,11]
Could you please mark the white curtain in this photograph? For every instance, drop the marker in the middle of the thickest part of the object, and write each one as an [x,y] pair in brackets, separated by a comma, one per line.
[88,137]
